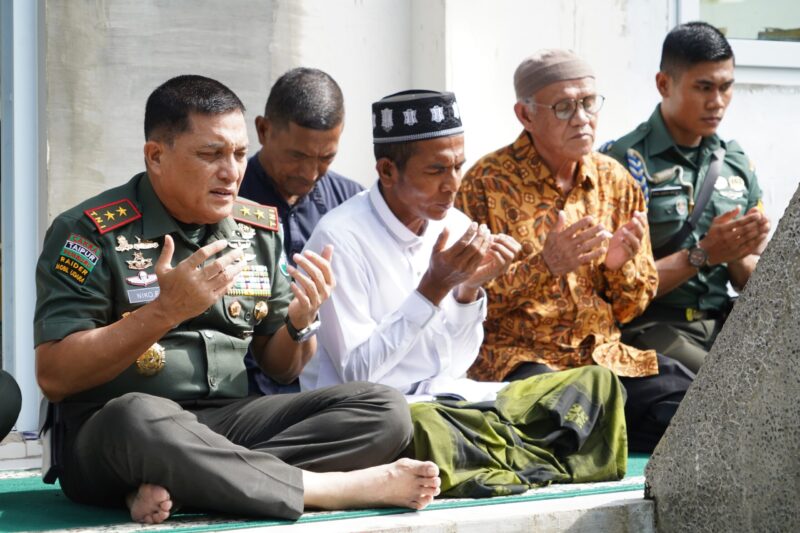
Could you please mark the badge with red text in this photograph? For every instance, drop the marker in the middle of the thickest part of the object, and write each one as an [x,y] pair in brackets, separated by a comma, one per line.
[78,258]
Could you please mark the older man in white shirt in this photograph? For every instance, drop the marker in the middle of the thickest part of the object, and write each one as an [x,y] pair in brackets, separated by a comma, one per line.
[408,309]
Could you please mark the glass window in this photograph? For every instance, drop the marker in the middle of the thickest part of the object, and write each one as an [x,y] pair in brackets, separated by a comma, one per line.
[763,20]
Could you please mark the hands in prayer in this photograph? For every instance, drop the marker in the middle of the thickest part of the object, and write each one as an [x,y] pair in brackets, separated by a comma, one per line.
[568,247]
[731,239]
[474,259]
[193,285]
[311,286]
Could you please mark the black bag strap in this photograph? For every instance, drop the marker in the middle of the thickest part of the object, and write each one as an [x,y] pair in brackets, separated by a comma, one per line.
[673,245]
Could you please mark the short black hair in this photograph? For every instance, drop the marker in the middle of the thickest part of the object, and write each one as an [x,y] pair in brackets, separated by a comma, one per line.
[691,43]
[308,97]
[398,153]
[167,111]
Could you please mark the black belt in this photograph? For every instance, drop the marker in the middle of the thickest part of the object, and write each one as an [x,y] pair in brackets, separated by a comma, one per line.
[681,314]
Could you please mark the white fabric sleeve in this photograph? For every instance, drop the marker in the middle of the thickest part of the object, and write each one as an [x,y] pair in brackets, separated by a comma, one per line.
[361,348]
[464,325]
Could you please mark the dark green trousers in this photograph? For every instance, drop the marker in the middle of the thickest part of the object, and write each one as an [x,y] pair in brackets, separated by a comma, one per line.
[10,403]
[239,457]
[687,342]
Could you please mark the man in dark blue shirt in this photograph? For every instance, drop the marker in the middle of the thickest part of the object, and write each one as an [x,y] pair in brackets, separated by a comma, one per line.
[299,135]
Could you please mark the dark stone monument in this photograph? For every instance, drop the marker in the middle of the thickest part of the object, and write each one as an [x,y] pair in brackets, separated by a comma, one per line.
[730,460]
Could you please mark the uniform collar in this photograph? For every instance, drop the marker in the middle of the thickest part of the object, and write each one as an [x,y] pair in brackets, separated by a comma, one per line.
[395,227]
[660,140]
[157,222]
[524,150]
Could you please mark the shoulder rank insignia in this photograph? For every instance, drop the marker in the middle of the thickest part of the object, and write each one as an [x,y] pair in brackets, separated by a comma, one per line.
[262,216]
[114,215]
[606,146]
[638,170]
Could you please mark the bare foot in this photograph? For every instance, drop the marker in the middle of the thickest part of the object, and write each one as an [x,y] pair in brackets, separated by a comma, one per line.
[150,504]
[404,483]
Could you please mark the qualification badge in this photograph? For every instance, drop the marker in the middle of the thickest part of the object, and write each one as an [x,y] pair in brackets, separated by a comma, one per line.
[261,310]
[152,361]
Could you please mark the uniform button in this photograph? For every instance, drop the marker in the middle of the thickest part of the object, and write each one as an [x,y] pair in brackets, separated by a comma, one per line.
[248,315]
[212,382]
[208,334]
[560,203]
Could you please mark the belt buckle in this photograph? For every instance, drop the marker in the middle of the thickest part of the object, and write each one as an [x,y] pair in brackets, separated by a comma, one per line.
[694,314]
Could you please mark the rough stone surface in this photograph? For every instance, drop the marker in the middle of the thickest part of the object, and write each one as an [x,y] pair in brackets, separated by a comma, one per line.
[730,460]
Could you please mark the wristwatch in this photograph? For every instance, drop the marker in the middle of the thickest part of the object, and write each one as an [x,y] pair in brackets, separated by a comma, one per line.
[698,257]
[300,335]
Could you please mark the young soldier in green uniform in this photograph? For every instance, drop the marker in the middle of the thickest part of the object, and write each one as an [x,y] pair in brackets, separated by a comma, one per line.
[707,224]
[148,297]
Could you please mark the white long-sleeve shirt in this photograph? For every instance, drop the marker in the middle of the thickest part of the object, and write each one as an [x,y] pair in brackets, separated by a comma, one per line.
[376,326]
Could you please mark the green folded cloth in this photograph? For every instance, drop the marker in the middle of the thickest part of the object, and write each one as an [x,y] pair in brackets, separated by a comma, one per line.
[560,427]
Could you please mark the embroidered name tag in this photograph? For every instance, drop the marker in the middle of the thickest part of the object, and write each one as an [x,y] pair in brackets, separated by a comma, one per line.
[666,191]
[142,296]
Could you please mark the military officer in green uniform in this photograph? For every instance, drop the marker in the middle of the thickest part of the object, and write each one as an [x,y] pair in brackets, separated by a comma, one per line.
[705,215]
[148,297]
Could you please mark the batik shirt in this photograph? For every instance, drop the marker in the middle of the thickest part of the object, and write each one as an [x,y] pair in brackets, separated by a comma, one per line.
[568,320]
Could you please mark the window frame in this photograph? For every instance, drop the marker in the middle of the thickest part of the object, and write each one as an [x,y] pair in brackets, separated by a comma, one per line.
[757,62]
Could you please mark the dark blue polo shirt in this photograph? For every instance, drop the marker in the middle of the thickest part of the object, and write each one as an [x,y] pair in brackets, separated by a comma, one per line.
[298,222]
[300,219]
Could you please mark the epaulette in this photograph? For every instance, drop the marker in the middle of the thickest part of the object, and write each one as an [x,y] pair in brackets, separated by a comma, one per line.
[735,156]
[606,146]
[262,216]
[111,216]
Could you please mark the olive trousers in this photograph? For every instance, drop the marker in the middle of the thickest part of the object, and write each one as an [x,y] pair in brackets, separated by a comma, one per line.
[241,456]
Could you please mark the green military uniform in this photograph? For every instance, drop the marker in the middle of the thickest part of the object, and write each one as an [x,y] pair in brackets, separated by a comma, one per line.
[180,416]
[684,322]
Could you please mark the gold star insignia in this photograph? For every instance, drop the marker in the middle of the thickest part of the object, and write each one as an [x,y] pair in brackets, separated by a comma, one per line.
[109,215]
[245,211]
[259,214]
[122,211]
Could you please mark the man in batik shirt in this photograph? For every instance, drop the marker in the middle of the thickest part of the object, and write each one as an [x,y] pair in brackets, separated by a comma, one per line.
[586,262]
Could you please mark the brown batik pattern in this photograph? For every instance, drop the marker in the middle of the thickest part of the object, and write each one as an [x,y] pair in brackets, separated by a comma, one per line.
[569,320]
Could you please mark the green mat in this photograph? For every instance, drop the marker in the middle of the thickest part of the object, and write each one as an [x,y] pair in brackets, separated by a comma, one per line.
[27,504]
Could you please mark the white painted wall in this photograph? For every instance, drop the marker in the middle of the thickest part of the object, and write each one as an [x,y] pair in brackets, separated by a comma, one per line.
[622,40]
[104,57]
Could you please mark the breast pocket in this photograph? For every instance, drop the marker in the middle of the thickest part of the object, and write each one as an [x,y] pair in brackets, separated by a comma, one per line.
[729,193]
[668,209]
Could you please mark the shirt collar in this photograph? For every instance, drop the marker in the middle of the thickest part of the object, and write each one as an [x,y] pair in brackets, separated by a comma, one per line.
[660,140]
[524,150]
[394,226]
[157,222]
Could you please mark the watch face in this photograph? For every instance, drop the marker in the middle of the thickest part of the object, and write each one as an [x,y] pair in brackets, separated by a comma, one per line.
[698,257]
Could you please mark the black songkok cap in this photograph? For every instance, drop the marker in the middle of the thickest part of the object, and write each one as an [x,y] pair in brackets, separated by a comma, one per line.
[415,115]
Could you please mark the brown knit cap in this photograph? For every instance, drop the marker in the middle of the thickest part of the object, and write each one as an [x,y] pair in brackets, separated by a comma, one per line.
[548,66]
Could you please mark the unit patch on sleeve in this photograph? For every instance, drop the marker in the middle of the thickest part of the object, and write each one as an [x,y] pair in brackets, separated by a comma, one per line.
[262,216]
[114,215]
[78,258]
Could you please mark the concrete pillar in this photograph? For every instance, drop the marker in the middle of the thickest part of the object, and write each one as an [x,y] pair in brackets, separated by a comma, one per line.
[730,460]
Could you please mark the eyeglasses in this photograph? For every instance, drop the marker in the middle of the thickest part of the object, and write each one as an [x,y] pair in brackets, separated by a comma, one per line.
[565,109]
